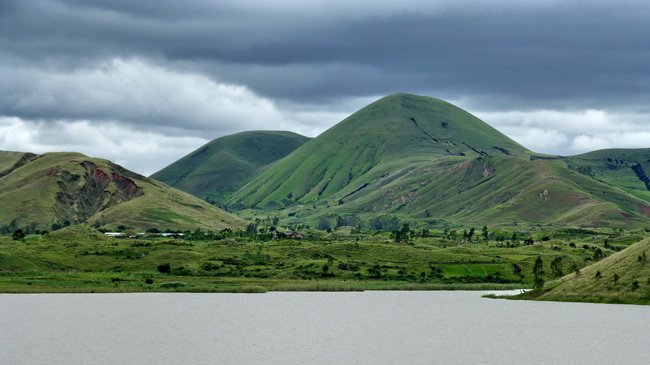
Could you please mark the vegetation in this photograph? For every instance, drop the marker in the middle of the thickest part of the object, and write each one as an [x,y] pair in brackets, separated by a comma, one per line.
[423,159]
[216,170]
[409,192]
[623,277]
[46,192]
[81,259]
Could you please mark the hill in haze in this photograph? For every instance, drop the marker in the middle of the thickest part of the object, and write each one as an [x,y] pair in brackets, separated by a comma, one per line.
[423,158]
[219,168]
[53,190]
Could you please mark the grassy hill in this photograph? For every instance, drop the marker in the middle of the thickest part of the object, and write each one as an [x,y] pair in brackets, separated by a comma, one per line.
[10,161]
[623,168]
[423,158]
[219,168]
[395,131]
[623,277]
[52,190]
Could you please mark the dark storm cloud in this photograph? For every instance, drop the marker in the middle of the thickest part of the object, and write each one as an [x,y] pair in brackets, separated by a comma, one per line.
[576,73]
[546,54]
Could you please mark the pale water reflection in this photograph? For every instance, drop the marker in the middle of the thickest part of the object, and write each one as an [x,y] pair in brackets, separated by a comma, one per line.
[317,328]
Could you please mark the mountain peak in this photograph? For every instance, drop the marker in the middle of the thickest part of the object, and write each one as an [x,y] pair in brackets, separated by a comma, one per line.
[397,129]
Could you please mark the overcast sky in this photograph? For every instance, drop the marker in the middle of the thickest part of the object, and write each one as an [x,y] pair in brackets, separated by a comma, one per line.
[145,82]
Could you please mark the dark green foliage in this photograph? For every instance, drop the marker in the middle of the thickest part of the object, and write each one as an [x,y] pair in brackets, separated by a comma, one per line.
[384,223]
[251,228]
[404,234]
[375,272]
[485,233]
[598,254]
[538,273]
[324,224]
[18,235]
[164,268]
[556,267]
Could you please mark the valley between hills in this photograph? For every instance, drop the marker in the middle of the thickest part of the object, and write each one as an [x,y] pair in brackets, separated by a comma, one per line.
[409,192]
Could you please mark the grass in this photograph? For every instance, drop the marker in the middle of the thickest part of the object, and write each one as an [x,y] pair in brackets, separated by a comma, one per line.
[219,168]
[79,259]
[426,160]
[68,188]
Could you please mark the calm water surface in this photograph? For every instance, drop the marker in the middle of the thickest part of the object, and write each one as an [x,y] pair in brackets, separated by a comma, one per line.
[317,328]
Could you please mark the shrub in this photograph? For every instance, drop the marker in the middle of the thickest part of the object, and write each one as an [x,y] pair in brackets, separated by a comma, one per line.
[182,271]
[18,235]
[172,284]
[165,268]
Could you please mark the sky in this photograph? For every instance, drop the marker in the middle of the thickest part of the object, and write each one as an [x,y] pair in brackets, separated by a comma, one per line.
[145,82]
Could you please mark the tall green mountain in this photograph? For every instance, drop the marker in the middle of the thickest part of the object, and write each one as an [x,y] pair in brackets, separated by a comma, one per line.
[57,189]
[219,168]
[424,158]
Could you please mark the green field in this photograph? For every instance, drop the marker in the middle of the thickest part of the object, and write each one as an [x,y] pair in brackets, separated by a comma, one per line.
[80,259]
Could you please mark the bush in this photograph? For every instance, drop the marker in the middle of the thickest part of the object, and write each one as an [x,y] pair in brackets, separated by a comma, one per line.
[182,271]
[18,235]
[165,269]
[172,284]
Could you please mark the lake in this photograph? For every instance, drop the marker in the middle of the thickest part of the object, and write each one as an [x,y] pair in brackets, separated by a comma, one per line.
[376,327]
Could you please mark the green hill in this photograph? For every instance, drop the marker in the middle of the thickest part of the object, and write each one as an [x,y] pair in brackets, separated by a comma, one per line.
[623,168]
[219,168]
[423,158]
[43,192]
[394,132]
[621,278]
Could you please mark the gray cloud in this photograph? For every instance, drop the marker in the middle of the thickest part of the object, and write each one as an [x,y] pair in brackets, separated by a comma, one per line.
[208,68]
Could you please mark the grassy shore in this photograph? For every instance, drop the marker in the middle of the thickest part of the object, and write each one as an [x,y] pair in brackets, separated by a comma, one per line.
[78,259]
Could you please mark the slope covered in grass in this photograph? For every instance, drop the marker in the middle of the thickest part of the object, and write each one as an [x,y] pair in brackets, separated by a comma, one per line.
[217,169]
[627,169]
[397,130]
[623,277]
[58,189]
[10,161]
[423,158]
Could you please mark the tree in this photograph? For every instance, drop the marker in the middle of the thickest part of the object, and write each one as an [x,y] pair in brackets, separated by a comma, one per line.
[485,233]
[470,235]
[556,266]
[403,234]
[538,273]
[324,224]
[18,235]
[598,254]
